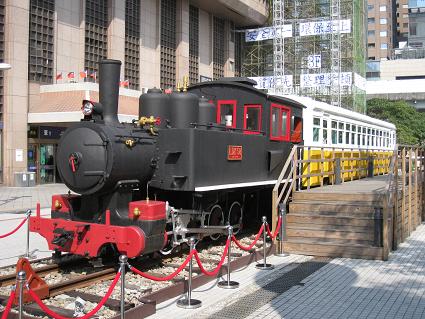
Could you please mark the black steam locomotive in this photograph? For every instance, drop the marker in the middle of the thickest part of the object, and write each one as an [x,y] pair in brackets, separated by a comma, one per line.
[194,159]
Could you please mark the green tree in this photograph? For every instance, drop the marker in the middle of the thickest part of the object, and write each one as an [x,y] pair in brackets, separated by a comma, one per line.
[409,122]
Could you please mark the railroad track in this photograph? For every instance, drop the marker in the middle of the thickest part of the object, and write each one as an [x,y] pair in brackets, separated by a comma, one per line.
[142,294]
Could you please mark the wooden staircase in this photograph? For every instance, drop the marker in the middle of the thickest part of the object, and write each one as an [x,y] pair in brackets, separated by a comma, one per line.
[335,224]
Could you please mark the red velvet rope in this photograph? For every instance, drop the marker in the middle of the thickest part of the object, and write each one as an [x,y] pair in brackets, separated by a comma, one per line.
[247,248]
[87,315]
[170,276]
[217,269]
[15,230]
[9,304]
[273,236]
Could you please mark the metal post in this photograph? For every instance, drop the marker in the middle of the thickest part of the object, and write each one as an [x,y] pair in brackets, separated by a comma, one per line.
[188,302]
[228,284]
[264,265]
[21,283]
[282,214]
[123,262]
[27,251]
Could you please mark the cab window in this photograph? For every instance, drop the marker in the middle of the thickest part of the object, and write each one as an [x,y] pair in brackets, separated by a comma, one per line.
[252,119]
[280,122]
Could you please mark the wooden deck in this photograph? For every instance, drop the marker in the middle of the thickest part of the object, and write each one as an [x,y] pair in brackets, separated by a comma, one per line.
[354,219]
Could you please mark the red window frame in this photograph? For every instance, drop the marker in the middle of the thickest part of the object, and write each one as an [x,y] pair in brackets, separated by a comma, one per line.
[280,136]
[245,111]
[219,103]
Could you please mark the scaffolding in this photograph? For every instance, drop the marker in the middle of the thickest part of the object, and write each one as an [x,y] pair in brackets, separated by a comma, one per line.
[339,52]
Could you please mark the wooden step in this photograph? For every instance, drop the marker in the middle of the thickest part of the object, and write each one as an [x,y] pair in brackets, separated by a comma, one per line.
[361,237]
[329,220]
[331,209]
[330,249]
[334,196]
[325,227]
[343,242]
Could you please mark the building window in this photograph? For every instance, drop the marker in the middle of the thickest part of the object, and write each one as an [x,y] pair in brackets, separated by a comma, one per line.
[384,46]
[252,119]
[383,8]
[371,33]
[412,29]
[2,15]
[369,7]
[383,21]
[96,36]
[226,113]
[193,44]
[218,51]
[316,129]
[371,45]
[132,47]
[280,122]
[42,15]
[370,20]
[168,43]
[383,33]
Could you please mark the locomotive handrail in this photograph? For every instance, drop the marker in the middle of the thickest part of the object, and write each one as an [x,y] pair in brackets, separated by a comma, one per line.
[225,128]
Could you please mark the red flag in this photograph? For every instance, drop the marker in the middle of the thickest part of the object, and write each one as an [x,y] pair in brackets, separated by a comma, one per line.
[126,83]
[59,76]
[71,75]
[93,75]
[83,74]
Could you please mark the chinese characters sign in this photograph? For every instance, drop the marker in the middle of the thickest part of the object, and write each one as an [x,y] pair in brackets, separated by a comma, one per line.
[314,61]
[268,33]
[324,79]
[269,82]
[325,27]
[234,153]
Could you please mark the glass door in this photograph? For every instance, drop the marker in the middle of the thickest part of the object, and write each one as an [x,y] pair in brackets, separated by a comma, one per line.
[47,164]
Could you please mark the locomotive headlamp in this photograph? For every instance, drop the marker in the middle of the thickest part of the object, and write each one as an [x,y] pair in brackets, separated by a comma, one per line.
[136,212]
[58,204]
[87,107]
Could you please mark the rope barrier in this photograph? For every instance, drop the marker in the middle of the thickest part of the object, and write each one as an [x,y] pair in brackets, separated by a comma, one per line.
[87,315]
[220,264]
[273,236]
[9,304]
[247,248]
[169,277]
[15,230]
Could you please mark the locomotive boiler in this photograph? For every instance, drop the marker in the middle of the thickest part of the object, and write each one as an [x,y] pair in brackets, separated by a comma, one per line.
[194,159]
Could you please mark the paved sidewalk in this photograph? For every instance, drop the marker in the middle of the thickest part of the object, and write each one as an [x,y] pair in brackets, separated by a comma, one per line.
[344,288]
[19,199]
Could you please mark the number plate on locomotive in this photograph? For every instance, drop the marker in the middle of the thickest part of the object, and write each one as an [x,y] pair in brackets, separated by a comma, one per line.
[234,153]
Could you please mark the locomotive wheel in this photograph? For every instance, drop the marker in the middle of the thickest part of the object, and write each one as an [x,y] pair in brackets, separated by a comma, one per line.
[215,218]
[235,217]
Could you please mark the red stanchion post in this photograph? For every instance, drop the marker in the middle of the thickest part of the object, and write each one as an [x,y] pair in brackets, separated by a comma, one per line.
[228,284]
[188,302]
[264,265]
[282,215]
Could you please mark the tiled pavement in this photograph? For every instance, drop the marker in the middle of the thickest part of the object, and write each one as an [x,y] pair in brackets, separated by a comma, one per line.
[19,199]
[344,288]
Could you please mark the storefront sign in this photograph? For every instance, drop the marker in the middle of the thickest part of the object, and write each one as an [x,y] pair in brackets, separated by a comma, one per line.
[51,132]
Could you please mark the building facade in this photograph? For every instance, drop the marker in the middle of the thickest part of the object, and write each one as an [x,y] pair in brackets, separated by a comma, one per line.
[380,32]
[54,47]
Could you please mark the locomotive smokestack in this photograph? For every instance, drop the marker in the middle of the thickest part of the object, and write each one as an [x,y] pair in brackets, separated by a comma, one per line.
[109,80]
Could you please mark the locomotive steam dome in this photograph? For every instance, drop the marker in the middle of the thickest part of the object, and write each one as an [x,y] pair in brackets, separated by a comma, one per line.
[94,156]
